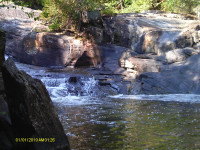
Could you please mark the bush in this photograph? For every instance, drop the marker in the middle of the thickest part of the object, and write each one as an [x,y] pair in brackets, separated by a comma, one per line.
[180,6]
[66,13]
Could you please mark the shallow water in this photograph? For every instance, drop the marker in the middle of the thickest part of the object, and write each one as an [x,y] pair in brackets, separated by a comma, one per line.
[121,121]
[132,124]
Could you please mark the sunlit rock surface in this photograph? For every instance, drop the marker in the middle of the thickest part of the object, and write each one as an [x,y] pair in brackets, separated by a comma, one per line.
[151,32]
[53,49]
[17,23]
[176,78]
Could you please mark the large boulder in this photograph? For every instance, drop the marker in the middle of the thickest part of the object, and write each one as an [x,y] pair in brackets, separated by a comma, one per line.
[51,49]
[31,110]
[151,32]
[179,77]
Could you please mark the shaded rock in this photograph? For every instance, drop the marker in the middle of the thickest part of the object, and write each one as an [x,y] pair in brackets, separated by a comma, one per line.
[2,46]
[86,60]
[51,49]
[92,26]
[104,83]
[176,78]
[31,110]
[6,132]
[2,89]
[92,18]
[119,30]
[94,33]
[73,80]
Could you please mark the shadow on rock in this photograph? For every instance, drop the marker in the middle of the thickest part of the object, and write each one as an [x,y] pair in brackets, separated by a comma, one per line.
[32,113]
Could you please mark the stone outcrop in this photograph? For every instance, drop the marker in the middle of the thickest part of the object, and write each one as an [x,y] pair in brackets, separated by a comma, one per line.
[176,78]
[51,49]
[142,65]
[31,110]
[16,22]
[150,32]
[92,26]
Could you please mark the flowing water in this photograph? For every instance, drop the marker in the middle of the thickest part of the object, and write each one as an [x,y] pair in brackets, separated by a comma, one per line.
[135,122]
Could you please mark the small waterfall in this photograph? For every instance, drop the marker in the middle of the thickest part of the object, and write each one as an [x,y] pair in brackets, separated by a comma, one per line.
[64,87]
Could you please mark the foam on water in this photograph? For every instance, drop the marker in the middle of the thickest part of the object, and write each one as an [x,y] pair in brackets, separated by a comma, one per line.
[192,98]
[76,100]
[63,92]
[60,89]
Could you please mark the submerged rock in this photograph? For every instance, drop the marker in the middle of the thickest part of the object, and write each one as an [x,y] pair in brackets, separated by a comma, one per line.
[31,110]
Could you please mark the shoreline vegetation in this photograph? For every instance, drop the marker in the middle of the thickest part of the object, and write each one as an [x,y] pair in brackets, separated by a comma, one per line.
[62,15]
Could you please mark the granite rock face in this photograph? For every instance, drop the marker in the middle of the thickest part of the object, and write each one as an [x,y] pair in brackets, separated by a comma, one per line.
[31,110]
[51,49]
[17,24]
[176,78]
[151,32]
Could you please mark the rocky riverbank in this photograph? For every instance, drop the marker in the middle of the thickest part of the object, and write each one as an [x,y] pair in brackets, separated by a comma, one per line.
[136,53]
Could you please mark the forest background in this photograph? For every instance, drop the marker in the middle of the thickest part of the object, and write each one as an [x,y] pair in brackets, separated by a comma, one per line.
[66,14]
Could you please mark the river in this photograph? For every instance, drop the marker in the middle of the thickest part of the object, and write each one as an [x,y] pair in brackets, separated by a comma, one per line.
[135,122]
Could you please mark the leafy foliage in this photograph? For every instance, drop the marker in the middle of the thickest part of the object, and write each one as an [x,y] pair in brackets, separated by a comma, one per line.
[62,14]
[179,6]
[66,13]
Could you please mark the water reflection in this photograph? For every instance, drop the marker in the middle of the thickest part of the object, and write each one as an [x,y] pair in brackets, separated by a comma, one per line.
[132,124]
